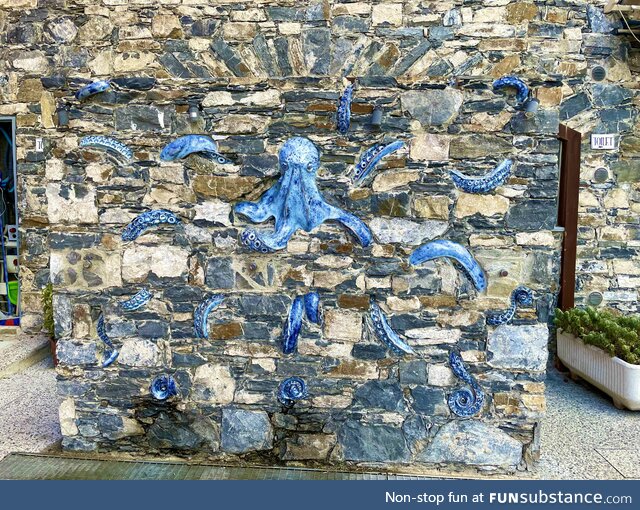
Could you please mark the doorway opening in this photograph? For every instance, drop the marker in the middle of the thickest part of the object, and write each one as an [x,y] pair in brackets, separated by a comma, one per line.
[9,259]
[569,194]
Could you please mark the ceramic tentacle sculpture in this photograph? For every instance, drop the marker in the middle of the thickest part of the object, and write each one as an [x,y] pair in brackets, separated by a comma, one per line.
[308,305]
[456,252]
[111,353]
[465,401]
[295,202]
[147,219]
[109,144]
[484,183]
[202,312]
[372,157]
[522,90]
[343,116]
[138,300]
[292,389]
[163,387]
[522,296]
[92,89]
[202,145]
[385,333]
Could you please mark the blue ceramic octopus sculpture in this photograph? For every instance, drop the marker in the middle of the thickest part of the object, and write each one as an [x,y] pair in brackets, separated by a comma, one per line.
[163,387]
[309,305]
[295,202]
[522,296]
[183,146]
[464,402]
[92,89]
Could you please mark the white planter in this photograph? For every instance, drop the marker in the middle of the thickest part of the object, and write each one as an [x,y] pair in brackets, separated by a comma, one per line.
[617,378]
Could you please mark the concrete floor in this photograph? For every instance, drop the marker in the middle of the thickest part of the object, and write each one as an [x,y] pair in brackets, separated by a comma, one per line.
[583,435]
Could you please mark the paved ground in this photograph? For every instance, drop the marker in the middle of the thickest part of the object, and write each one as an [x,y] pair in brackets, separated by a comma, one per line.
[29,410]
[584,436]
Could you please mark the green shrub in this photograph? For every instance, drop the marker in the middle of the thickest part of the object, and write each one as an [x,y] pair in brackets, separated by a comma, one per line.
[616,334]
[47,307]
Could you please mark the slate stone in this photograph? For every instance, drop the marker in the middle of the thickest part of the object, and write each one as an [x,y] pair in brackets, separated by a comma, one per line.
[282,55]
[428,401]
[519,347]
[143,118]
[610,95]
[244,431]
[544,121]
[574,105]
[135,83]
[169,432]
[264,55]
[626,170]
[380,395]
[473,443]
[62,315]
[411,57]
[222,50]
[153,329]
[174,66]
[204,27]
[413,372]
[70,352]
[220,274]
[533,215]
[372,443]
[415,428]
[598,21]
[349,25]
[369,351]
[432,107]
[438,34]
[258,304]
[316,45]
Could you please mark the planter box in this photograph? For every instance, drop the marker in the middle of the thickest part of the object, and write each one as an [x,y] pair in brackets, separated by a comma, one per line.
[617,378]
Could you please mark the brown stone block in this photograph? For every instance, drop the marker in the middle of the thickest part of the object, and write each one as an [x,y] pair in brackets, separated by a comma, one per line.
[359,302]
[224,187]
[225,331]
[521,11]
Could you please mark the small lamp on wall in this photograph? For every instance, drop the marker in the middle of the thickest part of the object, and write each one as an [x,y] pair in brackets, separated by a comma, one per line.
[531,107]
[194,112]
[62,114]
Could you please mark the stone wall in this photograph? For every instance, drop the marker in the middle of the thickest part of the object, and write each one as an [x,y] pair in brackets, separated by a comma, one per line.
[262,74]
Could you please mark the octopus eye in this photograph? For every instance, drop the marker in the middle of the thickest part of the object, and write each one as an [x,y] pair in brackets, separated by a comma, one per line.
[285,165]
[309,167]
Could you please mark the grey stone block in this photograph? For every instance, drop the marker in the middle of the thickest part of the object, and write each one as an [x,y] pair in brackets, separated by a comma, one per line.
[245,431]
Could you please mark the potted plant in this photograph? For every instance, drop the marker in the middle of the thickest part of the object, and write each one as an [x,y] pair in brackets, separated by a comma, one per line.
[47,308]
[603,348]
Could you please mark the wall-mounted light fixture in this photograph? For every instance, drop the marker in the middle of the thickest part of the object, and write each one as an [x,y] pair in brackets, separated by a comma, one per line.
[62,114]
[194,112]
[376,117]
[531,107]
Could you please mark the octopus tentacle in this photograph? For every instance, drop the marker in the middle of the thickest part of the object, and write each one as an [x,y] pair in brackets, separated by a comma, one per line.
[484,183]
[385,333]
[372,157]
[261,210]
[522,296]
[293,326]
[465,401]
[163,387]
[343,116]
[312,307]
[355,225]
[201,315]
[111,354]
[455,251]
[522,90]
[92,89]
[109,144]
[138,300]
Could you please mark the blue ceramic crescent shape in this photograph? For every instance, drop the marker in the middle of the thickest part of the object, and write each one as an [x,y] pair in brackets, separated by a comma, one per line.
[201,315]
[522,90]
[138,300]
[312,307]
[147,219]
[385,333]
[455,251]
[295,202]
[109,144]
[485,183]
[292,327]
[92,89]
[522,296]
[291,390]
[183,146]
[372,157]
[110,354]
[163,387]
[343,117]
[464,402]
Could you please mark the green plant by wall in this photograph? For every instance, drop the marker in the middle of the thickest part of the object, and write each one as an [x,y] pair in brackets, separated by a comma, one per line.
[616,334]
[47,306]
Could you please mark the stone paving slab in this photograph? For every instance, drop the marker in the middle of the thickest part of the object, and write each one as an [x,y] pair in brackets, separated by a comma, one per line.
[19,352]
[626,461]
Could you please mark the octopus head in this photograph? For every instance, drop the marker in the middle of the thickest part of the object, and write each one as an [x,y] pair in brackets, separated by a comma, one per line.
[299,154]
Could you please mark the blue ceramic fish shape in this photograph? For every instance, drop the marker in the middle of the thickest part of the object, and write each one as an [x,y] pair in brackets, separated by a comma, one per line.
[92,89]
[372,157]
[108,144]
[456,252]
[483,184]
[202,145]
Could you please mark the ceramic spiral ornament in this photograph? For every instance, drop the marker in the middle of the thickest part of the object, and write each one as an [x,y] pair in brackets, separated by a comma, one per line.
[522,296]
[202,312]
[109,144]
[292,390]
[465,401]
[110,353]
[163,387]
[147,219]
[485,183]
[138,300]
[385,333]
[343,117]
[372,157]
